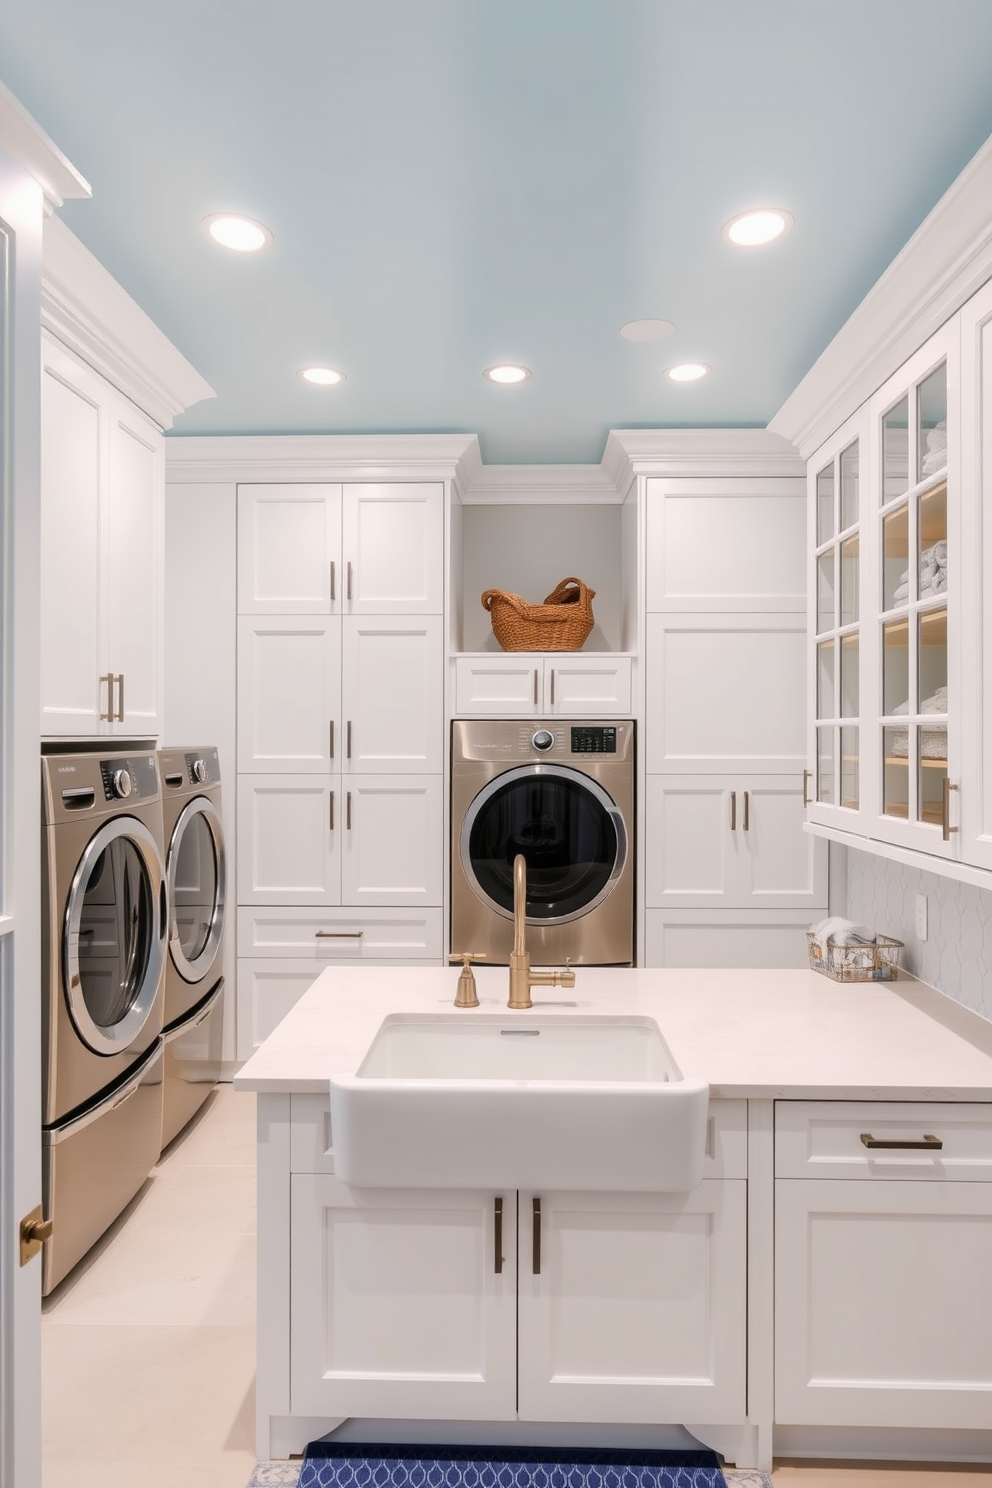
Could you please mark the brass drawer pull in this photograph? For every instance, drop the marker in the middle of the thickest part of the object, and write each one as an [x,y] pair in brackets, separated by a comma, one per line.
[339,934]
[536,1262]
[498,1234]
[929,1144]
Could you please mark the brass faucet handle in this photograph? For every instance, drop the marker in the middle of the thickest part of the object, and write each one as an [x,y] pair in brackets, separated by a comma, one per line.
[467,994]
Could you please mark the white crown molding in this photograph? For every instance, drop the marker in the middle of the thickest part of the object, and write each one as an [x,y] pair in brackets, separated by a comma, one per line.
[692,453]
[21,137]
[204,459]
[84,307]
[540,485]
[946,260]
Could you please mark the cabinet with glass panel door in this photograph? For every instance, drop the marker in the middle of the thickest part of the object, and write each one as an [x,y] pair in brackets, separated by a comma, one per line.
[913,518]
[836,783]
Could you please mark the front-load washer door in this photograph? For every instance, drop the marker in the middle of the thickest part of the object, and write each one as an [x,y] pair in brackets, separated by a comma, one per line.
[113,935]
[196,879]
[568,828]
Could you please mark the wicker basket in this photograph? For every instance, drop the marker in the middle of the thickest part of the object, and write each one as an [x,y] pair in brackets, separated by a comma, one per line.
[561,623]
[856,963]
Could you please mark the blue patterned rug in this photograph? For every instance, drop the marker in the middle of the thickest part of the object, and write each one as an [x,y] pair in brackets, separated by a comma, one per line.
[355,1465]
[289,1474]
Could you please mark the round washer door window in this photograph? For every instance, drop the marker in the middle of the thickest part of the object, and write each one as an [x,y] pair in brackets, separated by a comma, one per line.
[113,936]
[568,828]
[196,889]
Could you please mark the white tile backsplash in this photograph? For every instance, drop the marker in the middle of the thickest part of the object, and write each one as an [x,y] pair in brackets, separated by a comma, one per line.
[956,957]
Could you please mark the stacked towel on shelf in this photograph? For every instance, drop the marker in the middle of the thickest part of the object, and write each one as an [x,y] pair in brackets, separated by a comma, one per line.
[933,739]
[936,456]
[933,573]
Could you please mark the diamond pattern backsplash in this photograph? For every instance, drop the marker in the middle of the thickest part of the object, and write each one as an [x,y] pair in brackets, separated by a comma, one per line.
[956,957]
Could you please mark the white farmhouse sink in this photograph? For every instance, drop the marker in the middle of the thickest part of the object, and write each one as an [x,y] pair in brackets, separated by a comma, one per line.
[469,1101]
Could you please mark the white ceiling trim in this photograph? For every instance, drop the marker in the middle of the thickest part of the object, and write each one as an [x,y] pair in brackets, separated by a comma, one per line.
[21,137]
[946,260]
[84,307]
[694,453]
[316,457]
[540,485]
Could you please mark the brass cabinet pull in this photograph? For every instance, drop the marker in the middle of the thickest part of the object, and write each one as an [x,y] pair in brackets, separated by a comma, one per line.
[120,697]
[349,578]
[498,1234]
[535,687]
[338,934]
[333,594]
[537,1238]
[347,810]
[347,742]
[945,810]
[109,678]
[807,776]
[929,1144]
[332,738]
[747,812]
[733,811]
[331,821]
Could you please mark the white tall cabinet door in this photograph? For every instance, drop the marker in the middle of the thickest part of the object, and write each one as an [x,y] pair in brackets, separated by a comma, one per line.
[725,693]
[393,536]
[403,1303]
[73,449]
[135,545]
[393,695]
[289,549]
[780,866]
[289,830]
[693,848]
[883,1302]
[391,839]
[633,1306]
[289,693]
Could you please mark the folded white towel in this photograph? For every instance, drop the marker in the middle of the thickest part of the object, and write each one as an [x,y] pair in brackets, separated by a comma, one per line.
[935,704]
[901,592]
[836,931]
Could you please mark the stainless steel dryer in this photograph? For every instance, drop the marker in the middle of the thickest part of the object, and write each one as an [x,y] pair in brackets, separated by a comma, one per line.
[196,876]
[103,960]
[561,792]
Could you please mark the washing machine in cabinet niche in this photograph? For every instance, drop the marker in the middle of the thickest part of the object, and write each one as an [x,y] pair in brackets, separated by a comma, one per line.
[196,878]
[562,793]
[103,960]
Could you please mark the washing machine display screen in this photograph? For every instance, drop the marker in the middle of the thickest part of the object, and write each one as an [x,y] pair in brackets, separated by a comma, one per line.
[195,887]
[566,835]
[116,933]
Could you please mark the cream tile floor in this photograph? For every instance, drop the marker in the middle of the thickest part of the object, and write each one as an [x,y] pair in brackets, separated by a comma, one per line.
[148,1348]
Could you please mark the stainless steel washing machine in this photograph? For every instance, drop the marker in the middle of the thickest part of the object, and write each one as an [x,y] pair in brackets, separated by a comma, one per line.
[560,791]
[103,959]
[196,878]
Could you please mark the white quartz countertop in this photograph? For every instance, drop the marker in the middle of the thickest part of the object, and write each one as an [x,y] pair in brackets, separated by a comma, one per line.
[771,1034]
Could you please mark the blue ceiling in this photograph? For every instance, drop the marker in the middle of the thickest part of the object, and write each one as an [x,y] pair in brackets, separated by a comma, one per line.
[452,183]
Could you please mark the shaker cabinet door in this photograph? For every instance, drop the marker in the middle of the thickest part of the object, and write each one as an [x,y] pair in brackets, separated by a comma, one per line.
[289,549]
[289,832]
[391,839]
[393,549]
[135,547]
[393,695]
[289,693]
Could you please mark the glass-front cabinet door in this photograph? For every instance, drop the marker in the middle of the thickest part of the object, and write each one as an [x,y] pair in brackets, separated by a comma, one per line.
[911,725]
[835,777]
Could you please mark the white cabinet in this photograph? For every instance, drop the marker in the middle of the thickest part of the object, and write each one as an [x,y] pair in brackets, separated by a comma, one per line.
[393,695]
[883,1292]
[351,549]
[976,594]
[731,841]
[102,544]
[529,684]
[727,939]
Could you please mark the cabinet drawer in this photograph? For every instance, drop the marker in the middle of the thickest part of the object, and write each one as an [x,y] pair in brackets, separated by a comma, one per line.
[311,1152]
[310,1134]
[823,1139]
[322,935]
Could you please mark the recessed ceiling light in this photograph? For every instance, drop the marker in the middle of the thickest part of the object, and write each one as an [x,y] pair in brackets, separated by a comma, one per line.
[242,234]
[646,330]
[687,372]
[321,376]
[506,373]
[752,229]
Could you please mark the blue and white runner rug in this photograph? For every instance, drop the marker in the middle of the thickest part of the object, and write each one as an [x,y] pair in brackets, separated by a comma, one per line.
[354,1465]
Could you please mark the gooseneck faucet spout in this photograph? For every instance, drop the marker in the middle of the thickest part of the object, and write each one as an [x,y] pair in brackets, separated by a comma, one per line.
[521,976]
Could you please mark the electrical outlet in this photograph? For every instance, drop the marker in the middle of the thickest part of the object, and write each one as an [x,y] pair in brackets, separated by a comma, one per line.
[921,916]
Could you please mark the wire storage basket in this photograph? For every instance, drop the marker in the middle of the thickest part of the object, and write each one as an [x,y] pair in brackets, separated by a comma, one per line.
[561,623]
[876,961]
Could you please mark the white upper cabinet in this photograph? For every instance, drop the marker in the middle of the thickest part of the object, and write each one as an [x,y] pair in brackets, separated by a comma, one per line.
[392,695]
[527,683]
[975,566]
[102,542]
[736,544]
[393,549]
[289,549]
[289,691]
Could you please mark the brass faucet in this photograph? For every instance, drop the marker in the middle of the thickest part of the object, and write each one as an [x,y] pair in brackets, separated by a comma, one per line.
[521,976]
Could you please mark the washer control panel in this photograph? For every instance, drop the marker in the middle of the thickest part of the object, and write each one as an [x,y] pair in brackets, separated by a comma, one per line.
[593,740]
[125,779]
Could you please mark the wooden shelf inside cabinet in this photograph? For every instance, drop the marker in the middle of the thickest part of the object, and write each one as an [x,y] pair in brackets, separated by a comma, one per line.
[927,764]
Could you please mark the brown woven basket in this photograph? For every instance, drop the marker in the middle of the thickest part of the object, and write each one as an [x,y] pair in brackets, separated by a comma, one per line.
[561,623]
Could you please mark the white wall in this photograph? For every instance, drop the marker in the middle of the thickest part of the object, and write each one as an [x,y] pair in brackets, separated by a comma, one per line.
[956,957]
